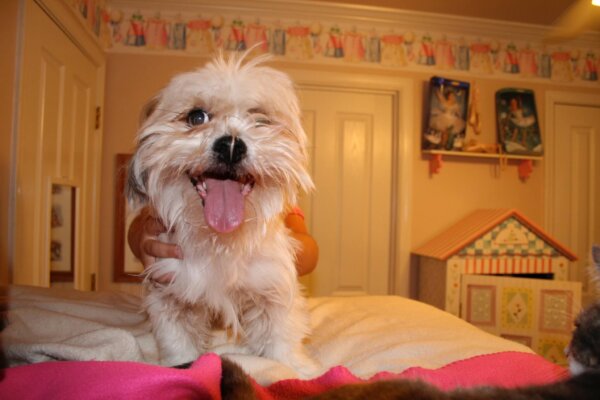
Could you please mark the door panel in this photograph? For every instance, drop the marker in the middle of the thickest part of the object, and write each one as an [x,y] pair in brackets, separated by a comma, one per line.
[350,134]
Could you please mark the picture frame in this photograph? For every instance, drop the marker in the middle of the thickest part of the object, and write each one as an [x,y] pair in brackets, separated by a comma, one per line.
[62,232]
[126,267]
[446,115]
[518,124]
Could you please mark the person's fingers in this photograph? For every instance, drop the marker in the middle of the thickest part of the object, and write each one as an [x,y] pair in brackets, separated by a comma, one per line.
[158,249]
[153,226]
[166,278]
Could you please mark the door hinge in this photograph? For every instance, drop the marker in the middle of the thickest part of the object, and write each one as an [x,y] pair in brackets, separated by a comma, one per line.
[98,116]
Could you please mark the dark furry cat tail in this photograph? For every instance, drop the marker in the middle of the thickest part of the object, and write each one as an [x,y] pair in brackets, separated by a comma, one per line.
[582,387]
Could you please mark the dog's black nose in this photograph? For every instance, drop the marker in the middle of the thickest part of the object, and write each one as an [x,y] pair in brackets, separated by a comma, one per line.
[229,150]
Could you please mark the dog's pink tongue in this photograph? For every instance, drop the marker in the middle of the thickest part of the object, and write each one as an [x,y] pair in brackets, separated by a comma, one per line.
[223,205]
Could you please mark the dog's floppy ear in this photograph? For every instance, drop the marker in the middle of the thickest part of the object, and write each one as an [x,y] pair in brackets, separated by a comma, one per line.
[136,183]
[148,109]
[136,178]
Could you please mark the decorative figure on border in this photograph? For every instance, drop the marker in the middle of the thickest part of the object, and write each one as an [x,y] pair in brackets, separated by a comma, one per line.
[216,27]
[561,66]
[106,32]
[157,35]
[298,43]
[354,46]
[373,47]
[178,33]
[545,68]
[278,40]
[495,55]
[236,40]
[528,62]
[115,19]
[511,59]
[590,67]
[409,41]
[135,34]
[463,56]
[335,47]
[315,37]
[257,37]
[575,58]
[199,37]
[481,60]
[444,54]
[426,52]
[392,50]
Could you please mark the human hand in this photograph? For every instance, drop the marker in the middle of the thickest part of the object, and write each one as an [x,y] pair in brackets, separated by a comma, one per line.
[307,254]
[143,239]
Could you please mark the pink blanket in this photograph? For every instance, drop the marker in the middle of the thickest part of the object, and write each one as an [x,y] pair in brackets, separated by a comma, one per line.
[115,380]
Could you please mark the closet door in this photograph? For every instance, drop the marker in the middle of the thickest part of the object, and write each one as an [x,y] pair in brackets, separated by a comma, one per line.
[573,168]
[58,151]
[351,144]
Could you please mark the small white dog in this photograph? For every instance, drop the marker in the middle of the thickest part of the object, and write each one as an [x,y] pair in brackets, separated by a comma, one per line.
[221,156]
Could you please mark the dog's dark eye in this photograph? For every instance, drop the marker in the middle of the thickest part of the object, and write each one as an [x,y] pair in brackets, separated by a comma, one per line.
[197,117]
[261,120]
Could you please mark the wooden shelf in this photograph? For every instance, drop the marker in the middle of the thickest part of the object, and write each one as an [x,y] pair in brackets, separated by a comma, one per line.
[482,155]
[525,165]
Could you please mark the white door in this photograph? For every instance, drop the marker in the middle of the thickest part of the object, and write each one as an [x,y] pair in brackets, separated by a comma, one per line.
[574,176]
[58,143]
[351,146]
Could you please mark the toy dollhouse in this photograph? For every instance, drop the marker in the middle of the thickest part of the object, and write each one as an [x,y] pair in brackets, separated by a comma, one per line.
[503,273]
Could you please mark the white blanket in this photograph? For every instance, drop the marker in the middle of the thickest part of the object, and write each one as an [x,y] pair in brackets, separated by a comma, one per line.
[366,334]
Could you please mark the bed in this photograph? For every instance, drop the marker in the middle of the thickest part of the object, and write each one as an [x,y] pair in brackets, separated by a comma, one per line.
[72,345]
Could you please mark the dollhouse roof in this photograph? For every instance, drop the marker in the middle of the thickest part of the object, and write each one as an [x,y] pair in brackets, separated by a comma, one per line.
[476,225]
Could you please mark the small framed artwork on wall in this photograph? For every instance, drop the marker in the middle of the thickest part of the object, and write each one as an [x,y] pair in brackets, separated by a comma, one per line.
[446,115]
[63,215]
[518,128]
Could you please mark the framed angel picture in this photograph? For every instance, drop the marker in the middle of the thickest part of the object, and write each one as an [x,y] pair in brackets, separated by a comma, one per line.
[446,118]
[518,127]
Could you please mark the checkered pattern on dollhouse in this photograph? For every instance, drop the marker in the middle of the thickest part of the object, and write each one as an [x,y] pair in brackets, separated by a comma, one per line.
[509,238]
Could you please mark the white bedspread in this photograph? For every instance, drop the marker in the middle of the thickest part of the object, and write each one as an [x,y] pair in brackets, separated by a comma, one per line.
[366,334]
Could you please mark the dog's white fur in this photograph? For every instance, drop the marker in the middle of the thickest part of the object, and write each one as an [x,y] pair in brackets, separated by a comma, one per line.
[245,280]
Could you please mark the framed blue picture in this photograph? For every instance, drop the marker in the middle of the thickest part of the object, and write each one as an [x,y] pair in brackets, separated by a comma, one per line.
[446,118]
[518,126]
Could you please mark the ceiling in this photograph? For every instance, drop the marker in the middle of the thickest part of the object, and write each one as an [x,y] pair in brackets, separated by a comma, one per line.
[539,12]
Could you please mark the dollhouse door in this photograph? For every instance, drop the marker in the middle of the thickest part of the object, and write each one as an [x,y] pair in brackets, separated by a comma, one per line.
[350,142]
[574,193]
[58,152]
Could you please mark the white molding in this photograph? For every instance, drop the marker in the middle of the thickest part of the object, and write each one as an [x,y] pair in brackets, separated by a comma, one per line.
[382,17]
